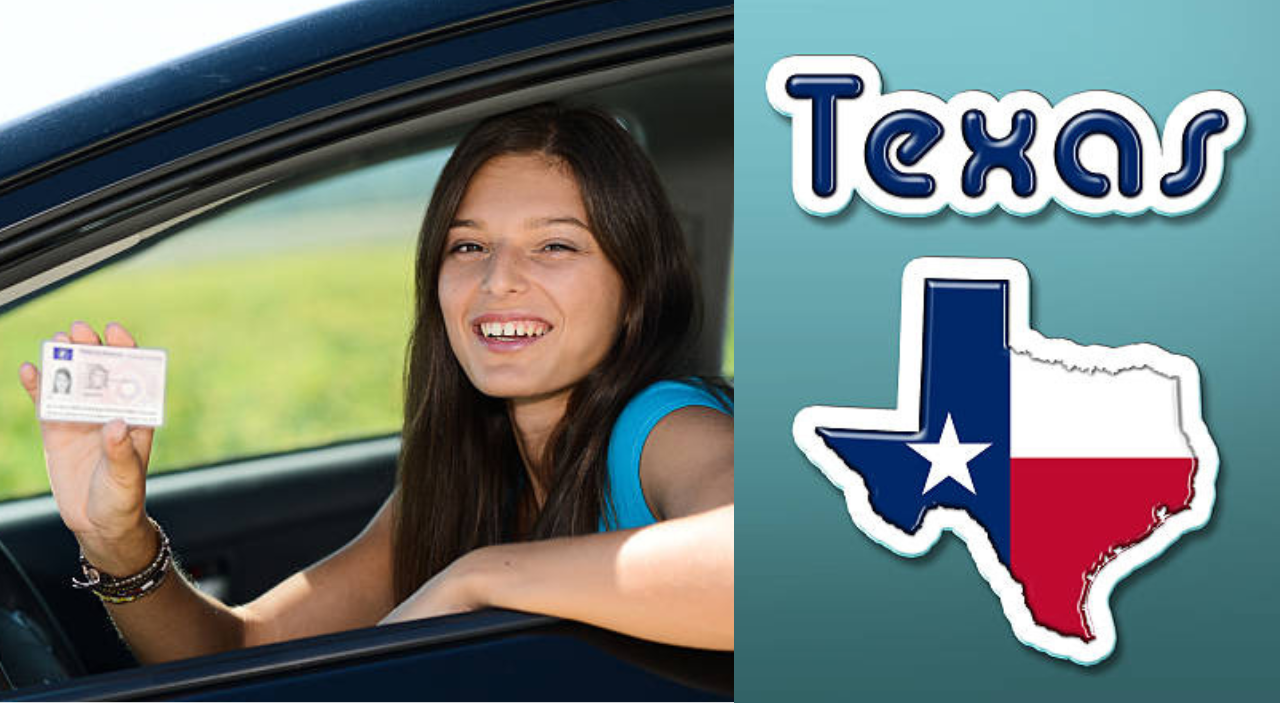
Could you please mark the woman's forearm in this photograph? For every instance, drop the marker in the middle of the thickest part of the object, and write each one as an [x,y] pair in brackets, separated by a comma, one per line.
[348,589]
[176,620]
[671,582]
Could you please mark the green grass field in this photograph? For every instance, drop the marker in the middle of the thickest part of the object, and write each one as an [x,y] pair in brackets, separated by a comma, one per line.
[268,352]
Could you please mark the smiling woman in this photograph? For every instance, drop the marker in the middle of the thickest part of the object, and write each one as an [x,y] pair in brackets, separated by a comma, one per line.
[557,455]
[552,223]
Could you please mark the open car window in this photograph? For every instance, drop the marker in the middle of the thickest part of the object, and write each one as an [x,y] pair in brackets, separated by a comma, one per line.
[284,317]
[285,309]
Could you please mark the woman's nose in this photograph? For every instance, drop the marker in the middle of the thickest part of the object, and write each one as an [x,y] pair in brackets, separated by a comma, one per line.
[505,273]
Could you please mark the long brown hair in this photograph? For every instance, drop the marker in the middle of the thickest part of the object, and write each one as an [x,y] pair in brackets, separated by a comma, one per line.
[459,473]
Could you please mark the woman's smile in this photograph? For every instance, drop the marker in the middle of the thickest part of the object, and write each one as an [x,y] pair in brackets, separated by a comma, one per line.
[509,332]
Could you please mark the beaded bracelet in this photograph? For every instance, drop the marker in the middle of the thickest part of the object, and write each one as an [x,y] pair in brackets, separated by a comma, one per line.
[116,590]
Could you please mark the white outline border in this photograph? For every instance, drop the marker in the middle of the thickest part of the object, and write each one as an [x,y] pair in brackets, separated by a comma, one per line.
[906,418]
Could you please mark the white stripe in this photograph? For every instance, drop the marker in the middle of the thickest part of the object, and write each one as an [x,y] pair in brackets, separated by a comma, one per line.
[1061,411]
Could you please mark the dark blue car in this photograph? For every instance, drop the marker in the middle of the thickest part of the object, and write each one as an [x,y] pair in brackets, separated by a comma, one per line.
[319,137]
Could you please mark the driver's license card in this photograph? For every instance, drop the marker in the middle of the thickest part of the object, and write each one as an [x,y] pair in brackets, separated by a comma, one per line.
[98,383]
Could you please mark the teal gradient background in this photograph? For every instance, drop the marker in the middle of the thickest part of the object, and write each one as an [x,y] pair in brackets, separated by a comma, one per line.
[823,612]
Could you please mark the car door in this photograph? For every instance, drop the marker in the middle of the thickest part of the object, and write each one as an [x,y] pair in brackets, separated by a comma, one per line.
[254,218]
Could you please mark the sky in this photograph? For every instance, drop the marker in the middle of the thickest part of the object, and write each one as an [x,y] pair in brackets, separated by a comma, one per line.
[56,49]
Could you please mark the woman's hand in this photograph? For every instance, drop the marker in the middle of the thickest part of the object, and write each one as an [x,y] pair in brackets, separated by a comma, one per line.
[98,472]
[458,588]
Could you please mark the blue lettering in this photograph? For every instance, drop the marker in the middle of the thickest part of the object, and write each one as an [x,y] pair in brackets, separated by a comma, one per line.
[1128,145]
[1009,152]
[824,90]
[1195,148]
[923,131]
[912,154]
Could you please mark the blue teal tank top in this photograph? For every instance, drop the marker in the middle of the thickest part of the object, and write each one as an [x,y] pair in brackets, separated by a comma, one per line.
[626,443]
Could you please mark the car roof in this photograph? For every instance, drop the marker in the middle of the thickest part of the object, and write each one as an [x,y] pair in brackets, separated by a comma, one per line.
[128,160]
[244,65]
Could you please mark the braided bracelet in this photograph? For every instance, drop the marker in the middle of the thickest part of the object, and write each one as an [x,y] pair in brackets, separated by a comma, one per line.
[116,590]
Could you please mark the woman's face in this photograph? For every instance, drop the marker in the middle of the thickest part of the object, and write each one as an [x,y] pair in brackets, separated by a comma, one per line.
[530,302]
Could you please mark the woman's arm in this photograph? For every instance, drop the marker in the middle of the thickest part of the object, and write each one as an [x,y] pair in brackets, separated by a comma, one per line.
[671,581]
[98,478]
[350,588]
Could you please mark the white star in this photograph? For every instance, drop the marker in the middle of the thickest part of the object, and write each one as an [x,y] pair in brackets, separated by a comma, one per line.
[949,457]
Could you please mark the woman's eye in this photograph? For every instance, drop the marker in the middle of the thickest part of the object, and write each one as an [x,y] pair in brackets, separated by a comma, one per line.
[465,247]
[556,246]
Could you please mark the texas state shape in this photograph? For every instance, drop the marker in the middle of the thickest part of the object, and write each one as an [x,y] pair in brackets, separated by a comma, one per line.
[1063,467]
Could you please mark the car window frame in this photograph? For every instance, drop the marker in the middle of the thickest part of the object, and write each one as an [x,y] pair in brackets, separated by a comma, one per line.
[154,223]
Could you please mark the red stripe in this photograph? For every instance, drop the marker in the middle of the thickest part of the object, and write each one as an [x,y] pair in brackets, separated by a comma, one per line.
[1071,516]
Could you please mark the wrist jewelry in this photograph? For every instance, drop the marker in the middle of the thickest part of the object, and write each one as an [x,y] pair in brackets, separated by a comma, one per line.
[116,590]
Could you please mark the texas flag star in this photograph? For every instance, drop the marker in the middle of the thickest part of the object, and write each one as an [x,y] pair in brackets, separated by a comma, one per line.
[949,458]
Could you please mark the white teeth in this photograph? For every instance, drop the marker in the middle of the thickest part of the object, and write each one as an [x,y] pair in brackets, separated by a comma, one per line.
[521,328]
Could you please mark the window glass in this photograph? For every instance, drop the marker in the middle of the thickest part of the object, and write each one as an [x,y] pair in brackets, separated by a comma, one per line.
[285,320]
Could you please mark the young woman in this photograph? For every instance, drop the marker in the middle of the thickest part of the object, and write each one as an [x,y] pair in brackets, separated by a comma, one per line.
[556,455]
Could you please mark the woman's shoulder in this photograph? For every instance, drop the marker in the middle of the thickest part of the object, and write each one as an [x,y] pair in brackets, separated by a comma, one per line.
[665,396]
[632,429]
[660,399]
